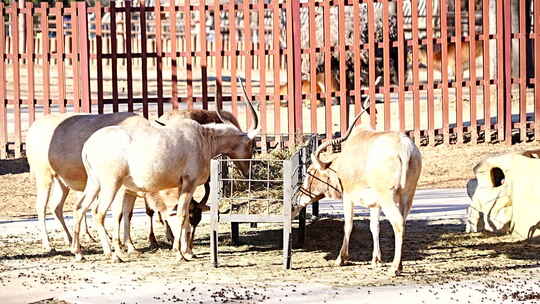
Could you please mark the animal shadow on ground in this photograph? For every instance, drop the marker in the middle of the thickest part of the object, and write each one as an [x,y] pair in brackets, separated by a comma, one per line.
[14,166]
[425,242]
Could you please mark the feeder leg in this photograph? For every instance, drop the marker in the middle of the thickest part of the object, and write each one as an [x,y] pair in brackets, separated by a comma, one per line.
[315,209]
[302,227]
[287,245]
[214,242]
[235,233]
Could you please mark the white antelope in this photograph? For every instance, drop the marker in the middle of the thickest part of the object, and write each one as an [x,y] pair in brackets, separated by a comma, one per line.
[378,170]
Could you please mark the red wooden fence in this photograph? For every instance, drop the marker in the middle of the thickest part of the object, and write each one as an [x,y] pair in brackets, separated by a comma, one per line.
[448,68]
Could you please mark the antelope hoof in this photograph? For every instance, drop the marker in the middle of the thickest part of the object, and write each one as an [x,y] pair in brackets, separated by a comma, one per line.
[49,249]
[376,262]
[79,257]
[188,256]
[116,259]
[395,270]
[133,251]
[341,261]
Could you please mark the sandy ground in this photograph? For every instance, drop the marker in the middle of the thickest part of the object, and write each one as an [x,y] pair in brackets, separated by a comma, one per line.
[441,263]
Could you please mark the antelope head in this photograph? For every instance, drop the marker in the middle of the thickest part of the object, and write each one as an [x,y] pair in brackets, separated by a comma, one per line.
[244,143]
[321,180]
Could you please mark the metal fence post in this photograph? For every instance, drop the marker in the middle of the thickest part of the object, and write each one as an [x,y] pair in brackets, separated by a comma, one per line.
[297,71]
[507,66]
[84,55]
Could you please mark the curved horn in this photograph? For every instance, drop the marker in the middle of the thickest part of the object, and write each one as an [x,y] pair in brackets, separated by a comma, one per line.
[253,112]
[324,164]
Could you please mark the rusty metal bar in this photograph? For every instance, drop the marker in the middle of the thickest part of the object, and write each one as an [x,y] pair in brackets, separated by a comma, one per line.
[343,106]
[430,95]
[159,59]
[416,81]
[189,59]
[204,60]
[219,57]
[371,48]
[16,78]
[262,72]
[45,56]
[536,70]
[233,46]
[60,55]
[522,71]
[401,65]
[356,55]
[486,74]
[174,58]
[277,59]
[114,60]
[458,75]
[3,83]
[444,72]
[84,55]
[327,68]
[386,65]
[314,102]
[507,66]
[144,60]
[30,49]
[99,57]
[129,58]
[472,71]
[248,48]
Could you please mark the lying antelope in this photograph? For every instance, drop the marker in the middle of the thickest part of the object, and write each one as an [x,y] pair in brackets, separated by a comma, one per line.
[152,158]
[378,170]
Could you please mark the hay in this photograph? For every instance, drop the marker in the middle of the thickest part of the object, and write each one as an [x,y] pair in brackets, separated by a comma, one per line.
[262,191]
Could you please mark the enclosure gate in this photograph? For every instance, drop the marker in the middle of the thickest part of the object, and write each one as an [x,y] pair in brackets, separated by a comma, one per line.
[309,64]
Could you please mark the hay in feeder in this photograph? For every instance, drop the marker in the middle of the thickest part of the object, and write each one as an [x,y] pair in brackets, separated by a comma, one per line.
[262,191]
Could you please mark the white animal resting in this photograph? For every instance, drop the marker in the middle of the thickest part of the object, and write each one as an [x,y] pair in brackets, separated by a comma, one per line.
[378,170]
[149,159]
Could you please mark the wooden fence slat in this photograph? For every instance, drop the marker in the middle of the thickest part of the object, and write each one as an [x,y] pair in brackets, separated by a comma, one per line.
[233,58]
[219,58]
[458,75]
[75,64]
[297,74]
[60,56]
